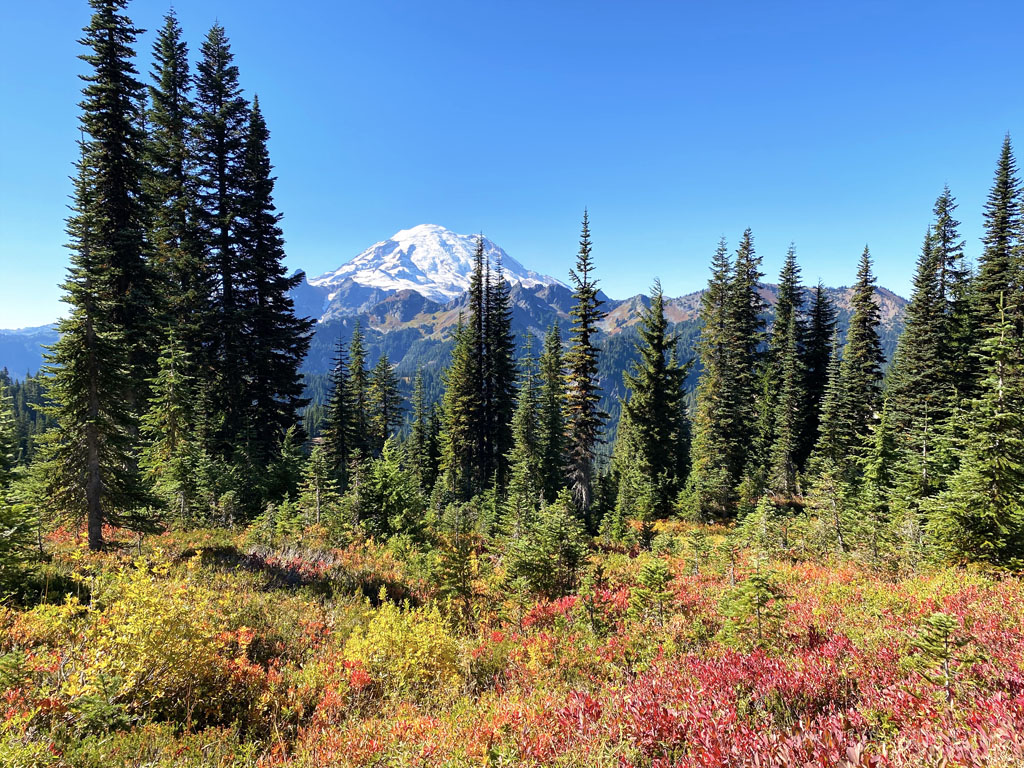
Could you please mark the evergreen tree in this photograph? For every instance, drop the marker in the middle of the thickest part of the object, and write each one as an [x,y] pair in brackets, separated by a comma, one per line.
[710,488]
[955,290]
[525,485]
[385,404]
[980,515]
[500,372]
[583,414]
[99,368]
[919,393]
[816,350]
[835,431]
[276,340]
[359,394]
[172,189]
[996,280]
[459,465]
[784,456]
[420,435]
[318,490]
[8,439]
[744,337]
[653,405]
[337,428]
[861,371]
[89,466]
[552,415]
[171,457]
[222,117]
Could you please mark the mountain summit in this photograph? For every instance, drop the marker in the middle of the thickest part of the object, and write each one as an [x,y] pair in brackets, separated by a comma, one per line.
[430,260]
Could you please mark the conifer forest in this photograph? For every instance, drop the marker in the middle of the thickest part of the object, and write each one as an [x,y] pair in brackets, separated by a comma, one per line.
[787,546]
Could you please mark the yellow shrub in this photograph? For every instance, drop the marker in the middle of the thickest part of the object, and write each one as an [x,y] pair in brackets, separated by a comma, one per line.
[155,648]
[406,652]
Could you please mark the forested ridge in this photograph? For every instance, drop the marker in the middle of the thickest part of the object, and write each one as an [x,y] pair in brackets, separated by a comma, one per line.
[812,557]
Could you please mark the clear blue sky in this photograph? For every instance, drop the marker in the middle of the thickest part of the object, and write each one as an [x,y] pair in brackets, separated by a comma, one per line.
[828,124]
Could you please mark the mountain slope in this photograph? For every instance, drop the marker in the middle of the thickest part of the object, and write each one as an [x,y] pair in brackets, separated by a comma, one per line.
[430,260]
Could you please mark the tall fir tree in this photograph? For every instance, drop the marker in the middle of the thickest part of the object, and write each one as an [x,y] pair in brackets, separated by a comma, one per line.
[359,393]
[980,515]
[710,489]
[783,455]
[336,430]
[8,438]
[744,338]
[583,413]
[525,486]
[653,404]
[100,367]
[816,348]
[276,340]
[420,438]
[384,403]
[222,117]
[179,254]
[552,414]
[459,465]
[861,373]
[500,372]
[919,393]
[996,279]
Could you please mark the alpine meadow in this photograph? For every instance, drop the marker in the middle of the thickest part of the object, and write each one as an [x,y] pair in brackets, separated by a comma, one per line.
[436,508]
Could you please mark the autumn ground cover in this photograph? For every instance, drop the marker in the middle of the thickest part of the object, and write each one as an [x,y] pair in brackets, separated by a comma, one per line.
[207,648]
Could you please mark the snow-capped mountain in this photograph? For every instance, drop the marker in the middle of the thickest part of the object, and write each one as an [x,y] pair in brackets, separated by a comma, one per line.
[430,260]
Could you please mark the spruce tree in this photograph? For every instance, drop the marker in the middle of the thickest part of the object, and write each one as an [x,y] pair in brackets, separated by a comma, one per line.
[500,372]
[552,415]
[359,393]
[459,463]
[222,118]
[172,189]
[318,490]
[99,368]
[996,280]
[384,403]
[835,432]
[980,515]
[276,340]
[336,431]
[525,485]
[89,465]
[744,337]
[861,373]
[653,403]
[171,456]
[783,456]
[8,438]
[816,351]
[583,414]
[710,489]
[919,393]
[419,435]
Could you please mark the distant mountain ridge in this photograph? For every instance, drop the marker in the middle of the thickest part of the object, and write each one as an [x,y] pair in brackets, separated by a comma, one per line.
[408,293]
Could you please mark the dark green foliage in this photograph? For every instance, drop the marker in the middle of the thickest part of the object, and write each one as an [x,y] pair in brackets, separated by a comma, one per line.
[525,488]
[549,558]
[99,367]
[385,405]
[337,428]
[275,339]
[552,414]
[28,397]
[222,118]
[460,469]
[422,443]
[754,610]
[359,395]
[784,454]
[996,280]
[173,453]
[919,391]
[499,373]
[653,407]
[175,232]
[583,415]
[980,514]
[8,439]
[816,350]
[710,489]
